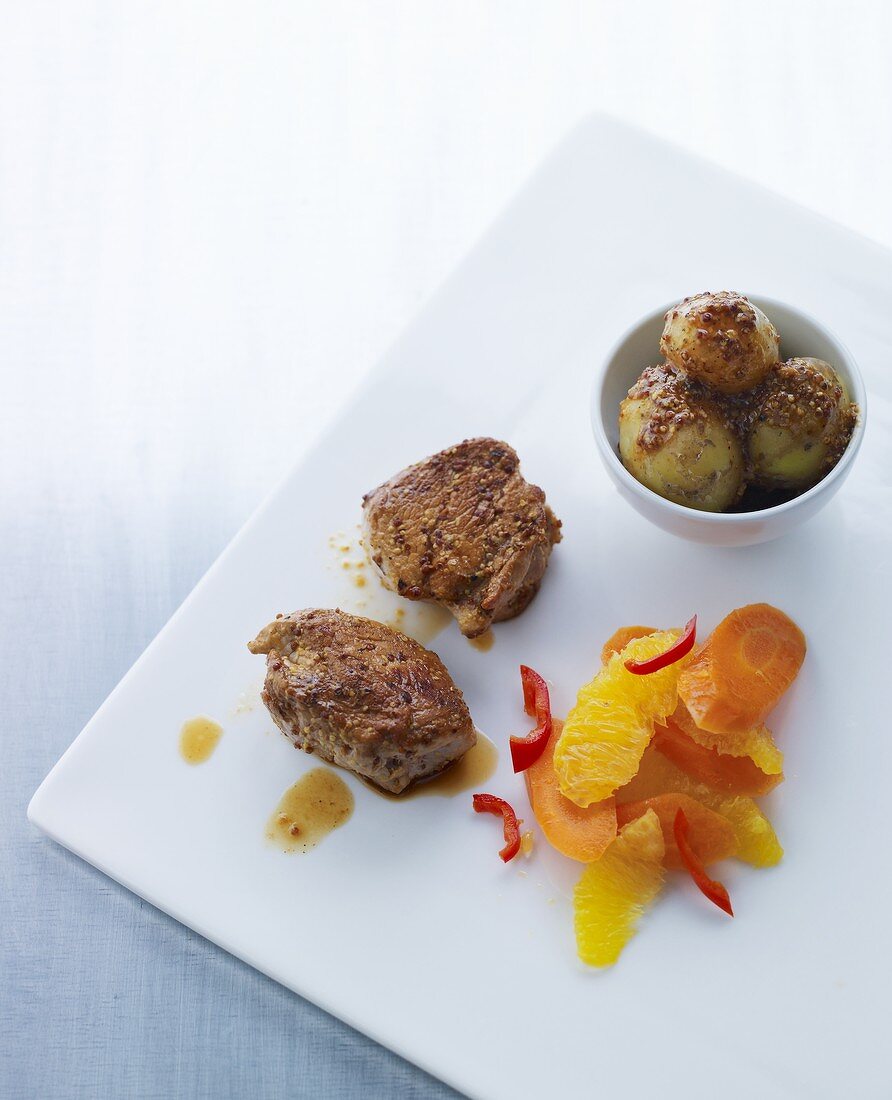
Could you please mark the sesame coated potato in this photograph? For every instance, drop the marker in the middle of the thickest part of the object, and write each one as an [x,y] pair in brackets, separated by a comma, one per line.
[722,340]
[679,442]
[801,423]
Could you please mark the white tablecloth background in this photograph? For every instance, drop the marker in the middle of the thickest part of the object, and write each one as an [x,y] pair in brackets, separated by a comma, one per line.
[213,219]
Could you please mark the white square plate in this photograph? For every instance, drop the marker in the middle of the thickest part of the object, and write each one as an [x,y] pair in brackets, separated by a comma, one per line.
[404,923]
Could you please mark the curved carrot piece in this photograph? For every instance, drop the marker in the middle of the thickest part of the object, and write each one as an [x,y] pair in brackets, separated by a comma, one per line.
[619,639]
[578,833]
[711,836]
[733,774]
[756,743]
[757,842]
[746,665]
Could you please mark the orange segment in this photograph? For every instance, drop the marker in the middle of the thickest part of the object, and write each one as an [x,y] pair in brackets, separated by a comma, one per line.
[757,842]
[756,744]
[655,775]
[731,774]
[746,665]
[619,639]
[656,694]
[607,731]
[600,747]
[579,833]
[612,894]
[711,836]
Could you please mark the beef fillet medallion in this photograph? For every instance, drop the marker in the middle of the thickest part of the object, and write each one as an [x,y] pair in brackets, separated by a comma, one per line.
[465,530]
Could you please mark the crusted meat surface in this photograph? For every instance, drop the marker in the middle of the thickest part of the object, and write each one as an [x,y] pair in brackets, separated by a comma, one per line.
[463,529]
[363,696]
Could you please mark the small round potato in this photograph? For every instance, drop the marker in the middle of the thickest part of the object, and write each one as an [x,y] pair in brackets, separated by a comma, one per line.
[802,421]
[679,442]
[722,340]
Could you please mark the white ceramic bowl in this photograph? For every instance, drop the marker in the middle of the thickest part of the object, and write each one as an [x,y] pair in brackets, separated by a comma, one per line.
[639,347]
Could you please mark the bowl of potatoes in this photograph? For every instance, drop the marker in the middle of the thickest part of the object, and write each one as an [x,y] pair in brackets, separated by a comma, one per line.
[728,419]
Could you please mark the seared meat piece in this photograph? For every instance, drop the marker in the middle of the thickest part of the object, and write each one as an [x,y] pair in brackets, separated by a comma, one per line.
[363,696]
[463,528]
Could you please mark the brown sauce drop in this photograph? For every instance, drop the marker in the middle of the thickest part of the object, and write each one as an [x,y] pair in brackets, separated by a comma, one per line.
[198,739]
[469,773]
[483,642]
[420,620]
[317,804]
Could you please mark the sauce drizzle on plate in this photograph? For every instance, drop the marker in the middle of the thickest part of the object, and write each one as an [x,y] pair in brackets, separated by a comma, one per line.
[317,804]
[198,739]
[471,772]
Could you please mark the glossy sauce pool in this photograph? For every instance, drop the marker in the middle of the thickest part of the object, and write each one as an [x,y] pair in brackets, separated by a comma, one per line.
[483,642]
[198,739]
[317,804]
[470,773]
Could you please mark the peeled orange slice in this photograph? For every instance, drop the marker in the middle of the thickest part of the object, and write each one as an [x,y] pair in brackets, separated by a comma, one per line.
[756,743]
[711,835]
[613,893]
[621,637]
[757,842]
[731,774]
[606,733]
[599,750]
[657,693]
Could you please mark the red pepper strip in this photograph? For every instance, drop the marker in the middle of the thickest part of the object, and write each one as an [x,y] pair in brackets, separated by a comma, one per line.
[490,804]
[529,681]
[527,750]
[680,648]
[707,886]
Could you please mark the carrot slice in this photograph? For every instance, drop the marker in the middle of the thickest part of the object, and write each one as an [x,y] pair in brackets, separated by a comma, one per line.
[756,744]
[711,835]
[575,832]
[619,639]
[733,774]
[757,843]
[746,665]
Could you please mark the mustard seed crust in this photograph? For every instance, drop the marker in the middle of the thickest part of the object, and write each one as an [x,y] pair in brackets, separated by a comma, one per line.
[363,696]
[678,439]
[463,528]
[721,339]
[676,400]
[784,426]
[805,398]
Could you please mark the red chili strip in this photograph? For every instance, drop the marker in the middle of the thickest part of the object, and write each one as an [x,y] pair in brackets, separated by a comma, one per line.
[679,648]
[490,804]
[707,886]
[527,750]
